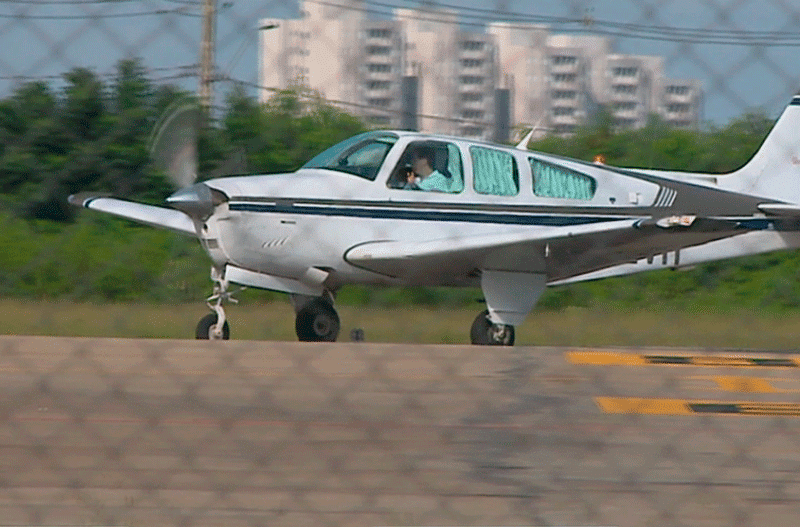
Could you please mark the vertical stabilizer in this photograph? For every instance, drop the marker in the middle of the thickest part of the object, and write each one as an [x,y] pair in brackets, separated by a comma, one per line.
[774,171]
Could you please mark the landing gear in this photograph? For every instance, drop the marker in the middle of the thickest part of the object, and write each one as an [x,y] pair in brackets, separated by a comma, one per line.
[214,326]
[207,328]
[485,333]
[317,321]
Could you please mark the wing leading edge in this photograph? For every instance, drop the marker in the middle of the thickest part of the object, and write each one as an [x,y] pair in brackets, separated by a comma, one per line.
[147,214]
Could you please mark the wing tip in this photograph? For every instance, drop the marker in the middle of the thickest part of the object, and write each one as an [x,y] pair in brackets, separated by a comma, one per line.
[83,199]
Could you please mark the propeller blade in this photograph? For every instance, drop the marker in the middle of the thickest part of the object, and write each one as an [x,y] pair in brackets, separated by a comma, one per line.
[173,143]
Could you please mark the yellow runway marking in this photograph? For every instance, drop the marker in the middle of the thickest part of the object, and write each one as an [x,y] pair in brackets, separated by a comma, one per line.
[639,405]
[610,358]
[737,383]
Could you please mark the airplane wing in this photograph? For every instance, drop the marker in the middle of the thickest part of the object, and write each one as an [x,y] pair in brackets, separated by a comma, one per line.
[148,214]
[559,252]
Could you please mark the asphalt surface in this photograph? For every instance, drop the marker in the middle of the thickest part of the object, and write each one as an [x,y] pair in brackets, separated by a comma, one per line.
[149,433]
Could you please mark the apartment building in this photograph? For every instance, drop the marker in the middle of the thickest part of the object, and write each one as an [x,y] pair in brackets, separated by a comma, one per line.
[475,100]
[431,44]
[382,73]
[682,103]
[633,85]
[420,70]
[322,50]
[522,57]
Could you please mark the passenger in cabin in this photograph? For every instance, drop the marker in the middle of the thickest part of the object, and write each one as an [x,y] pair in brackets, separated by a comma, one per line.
[423,176]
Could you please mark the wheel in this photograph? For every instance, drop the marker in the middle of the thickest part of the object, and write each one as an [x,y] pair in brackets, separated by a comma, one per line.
[205,328]
[317,322]
[484,333]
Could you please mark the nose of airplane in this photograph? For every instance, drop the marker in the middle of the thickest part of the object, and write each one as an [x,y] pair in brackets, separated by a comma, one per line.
[196,201]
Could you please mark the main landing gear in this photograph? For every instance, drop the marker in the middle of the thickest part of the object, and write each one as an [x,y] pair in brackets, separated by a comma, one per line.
[486,333]
[316,320]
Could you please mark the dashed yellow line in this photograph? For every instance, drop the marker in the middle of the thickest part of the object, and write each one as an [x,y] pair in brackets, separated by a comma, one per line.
[639,405]
[610,358]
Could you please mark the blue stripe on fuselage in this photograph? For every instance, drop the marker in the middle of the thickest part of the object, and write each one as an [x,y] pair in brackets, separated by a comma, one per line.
[425,215]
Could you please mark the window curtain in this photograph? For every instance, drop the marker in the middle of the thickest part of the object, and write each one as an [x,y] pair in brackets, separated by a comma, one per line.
[493,172]
[553,182]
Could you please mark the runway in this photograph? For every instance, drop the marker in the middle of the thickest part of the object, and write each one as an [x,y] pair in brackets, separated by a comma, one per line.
[164,432]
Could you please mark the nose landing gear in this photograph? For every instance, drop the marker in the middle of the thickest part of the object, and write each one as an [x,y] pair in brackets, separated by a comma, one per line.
[214,326]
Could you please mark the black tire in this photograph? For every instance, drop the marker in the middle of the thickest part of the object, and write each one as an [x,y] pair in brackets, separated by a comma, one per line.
[484,333]
[203,330]
[317,322]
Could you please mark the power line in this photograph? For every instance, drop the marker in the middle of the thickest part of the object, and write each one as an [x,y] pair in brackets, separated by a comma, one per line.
[489,15]
[67,2]
[598,27]
[178,11]
[334,102]
[184,71]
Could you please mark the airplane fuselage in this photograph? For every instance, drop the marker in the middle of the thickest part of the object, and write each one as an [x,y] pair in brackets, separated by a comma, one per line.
[285,224]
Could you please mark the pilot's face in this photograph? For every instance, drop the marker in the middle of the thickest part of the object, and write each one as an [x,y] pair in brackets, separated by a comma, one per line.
[419,164]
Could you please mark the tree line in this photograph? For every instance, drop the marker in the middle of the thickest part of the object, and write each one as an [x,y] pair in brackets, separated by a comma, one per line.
[92,134]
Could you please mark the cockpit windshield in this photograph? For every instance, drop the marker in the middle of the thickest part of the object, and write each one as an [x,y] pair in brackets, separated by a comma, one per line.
[361,155]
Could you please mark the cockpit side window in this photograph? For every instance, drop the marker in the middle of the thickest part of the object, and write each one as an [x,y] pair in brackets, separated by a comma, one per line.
[433,166]
[553,181]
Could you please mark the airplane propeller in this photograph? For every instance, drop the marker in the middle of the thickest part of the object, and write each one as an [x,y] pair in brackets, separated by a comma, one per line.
[173,143]
[173,149]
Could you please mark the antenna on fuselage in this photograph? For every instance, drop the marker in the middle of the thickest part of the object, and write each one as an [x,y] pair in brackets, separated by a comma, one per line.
[523,145]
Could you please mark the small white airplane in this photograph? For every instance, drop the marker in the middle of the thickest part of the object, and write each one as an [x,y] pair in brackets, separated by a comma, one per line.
[510,220]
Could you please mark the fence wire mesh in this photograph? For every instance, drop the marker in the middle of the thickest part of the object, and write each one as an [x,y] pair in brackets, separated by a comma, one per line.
[114,432]
[178,433]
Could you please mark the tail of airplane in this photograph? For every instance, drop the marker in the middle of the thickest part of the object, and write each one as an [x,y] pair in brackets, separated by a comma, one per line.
[774,170]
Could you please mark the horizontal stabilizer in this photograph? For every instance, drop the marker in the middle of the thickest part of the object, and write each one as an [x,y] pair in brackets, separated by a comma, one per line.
[147,214]
[780,209]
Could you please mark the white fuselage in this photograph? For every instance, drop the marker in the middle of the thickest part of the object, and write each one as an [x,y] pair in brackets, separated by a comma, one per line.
[283,225]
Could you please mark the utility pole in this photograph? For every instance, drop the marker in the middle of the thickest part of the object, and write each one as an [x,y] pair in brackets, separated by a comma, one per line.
[207,56]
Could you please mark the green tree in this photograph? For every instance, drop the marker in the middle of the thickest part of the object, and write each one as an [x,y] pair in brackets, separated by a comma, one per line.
[83,104]
[287,131]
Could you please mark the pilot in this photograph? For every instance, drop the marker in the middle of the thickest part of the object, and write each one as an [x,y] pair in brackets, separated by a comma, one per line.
[423,176]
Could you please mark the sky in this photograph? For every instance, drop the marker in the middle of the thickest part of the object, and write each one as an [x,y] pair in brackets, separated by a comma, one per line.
[745,52]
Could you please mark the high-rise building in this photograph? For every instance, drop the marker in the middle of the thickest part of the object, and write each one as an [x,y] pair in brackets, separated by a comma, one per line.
[633,86]
[382,74]
[681,103]
[420,70]
[455,71]
[322,50]
[522,59]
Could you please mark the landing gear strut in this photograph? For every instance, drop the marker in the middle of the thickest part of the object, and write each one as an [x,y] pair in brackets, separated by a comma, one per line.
[486,333]
[316,320]
[214,326]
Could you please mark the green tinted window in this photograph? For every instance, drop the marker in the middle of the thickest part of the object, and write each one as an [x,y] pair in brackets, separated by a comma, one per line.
[494,172]
[553,181]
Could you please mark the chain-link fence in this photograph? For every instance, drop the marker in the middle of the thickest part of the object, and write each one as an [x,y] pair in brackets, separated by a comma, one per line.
[114,432]
[162,432]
